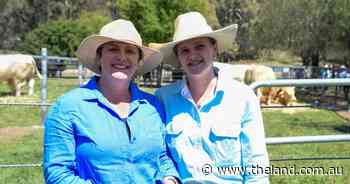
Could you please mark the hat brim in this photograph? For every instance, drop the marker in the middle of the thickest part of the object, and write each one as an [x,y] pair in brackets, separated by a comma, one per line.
[224,39]
[86,54]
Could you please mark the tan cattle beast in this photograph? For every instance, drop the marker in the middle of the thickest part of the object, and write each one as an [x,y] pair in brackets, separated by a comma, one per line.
[18,70]
[252,73]
[268,95]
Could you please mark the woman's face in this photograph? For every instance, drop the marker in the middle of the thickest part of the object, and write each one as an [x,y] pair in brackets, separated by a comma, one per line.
[119,60]
[196,55]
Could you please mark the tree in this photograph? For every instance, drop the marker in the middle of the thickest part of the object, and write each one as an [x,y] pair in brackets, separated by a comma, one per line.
[62,37]
[342,31]
[16,17]
[243,13]
[154,19]
[307,27]
[169,10]
[143,14]
[19,17]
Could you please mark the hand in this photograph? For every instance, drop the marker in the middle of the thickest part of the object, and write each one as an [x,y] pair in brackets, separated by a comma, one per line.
[170,180]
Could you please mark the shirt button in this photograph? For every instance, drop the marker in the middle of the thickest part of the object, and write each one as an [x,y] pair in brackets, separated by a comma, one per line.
[133,139]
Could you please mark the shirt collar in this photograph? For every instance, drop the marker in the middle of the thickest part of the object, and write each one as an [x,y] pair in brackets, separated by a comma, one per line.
[136,93]
[186,93]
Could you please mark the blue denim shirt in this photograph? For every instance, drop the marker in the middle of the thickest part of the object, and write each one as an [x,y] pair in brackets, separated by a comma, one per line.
[87,142]
[226,132]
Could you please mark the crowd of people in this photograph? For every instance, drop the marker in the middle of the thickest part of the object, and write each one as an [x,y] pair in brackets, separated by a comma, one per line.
[329,71]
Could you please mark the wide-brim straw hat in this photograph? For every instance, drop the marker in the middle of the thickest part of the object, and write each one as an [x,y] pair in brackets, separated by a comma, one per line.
[122,31]
[193,25]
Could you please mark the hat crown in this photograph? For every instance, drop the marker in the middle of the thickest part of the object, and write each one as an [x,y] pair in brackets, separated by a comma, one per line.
[189,25]
[122,30]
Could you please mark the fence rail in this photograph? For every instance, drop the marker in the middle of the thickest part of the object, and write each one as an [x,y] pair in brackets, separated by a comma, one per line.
[308,139]
[26,104]
[303,82]
[19,165]
[71,61]
[300,82]
[270,140]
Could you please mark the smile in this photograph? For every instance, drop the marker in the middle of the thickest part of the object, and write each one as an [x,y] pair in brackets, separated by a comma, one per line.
[195,63]
[120,67]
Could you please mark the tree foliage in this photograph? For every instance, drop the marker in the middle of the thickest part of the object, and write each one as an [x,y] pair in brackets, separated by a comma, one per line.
[169,10]
[154,19]
[62,37]
[18,17]
[243,13]
[143,13]
[308,27]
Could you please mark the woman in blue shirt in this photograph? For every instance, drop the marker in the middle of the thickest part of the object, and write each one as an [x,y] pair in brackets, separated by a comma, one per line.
[214,125]
[109,131]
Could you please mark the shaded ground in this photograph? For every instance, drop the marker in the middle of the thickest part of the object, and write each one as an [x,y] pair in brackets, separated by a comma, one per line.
[325,98]
[320,98]
[344,114]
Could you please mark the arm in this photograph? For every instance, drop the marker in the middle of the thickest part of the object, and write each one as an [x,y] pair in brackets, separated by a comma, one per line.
[254,152]
[167,167]
[59,149]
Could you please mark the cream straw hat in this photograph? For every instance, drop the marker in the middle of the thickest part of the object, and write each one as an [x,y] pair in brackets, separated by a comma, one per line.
[193,25]
[122,31]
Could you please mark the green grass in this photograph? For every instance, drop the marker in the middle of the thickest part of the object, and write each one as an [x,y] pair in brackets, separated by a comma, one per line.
[28,149]
[12,116]
[310,122]
[30,115]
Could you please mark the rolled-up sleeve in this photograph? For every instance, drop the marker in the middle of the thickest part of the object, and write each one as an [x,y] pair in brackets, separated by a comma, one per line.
[254,152]
[59,164]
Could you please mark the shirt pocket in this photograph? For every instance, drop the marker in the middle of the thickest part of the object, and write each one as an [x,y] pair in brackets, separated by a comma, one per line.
[176,142]
[179,130]
[174,137]
[226,141]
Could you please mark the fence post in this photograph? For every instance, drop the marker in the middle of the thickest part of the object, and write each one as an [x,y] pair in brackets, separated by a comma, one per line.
[159,75]
[43,94]
[80,74]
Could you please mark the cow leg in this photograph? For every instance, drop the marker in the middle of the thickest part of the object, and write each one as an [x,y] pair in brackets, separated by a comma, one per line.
[31,84]
[259,95]
[12,84]
[15,86]
[19,86]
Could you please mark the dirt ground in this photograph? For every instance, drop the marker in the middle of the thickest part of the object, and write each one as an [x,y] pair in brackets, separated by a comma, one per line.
[344,114]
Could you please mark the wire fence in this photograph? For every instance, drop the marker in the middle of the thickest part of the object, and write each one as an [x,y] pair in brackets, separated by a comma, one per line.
[169,76]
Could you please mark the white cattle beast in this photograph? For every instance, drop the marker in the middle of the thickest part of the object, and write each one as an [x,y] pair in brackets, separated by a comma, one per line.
[252,73]
[17,70]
